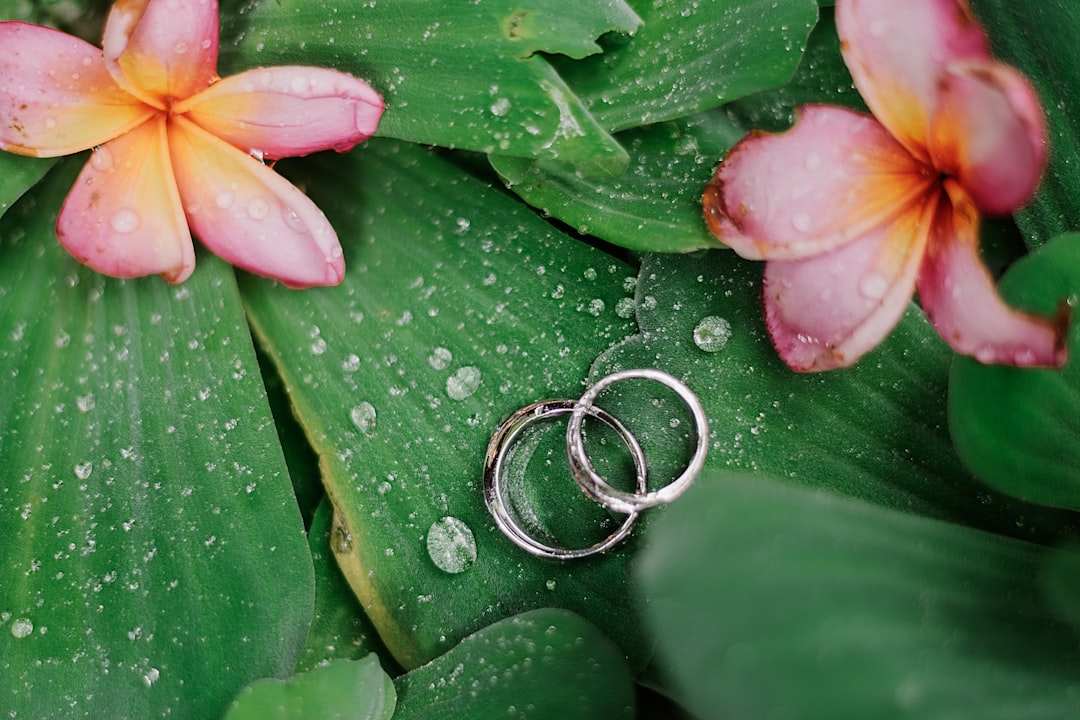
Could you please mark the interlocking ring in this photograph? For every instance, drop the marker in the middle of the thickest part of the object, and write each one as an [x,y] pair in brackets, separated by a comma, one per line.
[505,437]
[596,486]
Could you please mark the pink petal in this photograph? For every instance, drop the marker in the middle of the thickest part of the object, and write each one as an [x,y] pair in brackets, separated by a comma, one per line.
[123,215]
[162,50]
[989,132]
[828,311]
[56,97]
[959,296]
[832,178]
[249,215]
[287,111]
[896,51]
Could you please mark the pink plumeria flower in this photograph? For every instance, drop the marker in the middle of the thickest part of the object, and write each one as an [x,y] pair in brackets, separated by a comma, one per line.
[852,213]
[174,143]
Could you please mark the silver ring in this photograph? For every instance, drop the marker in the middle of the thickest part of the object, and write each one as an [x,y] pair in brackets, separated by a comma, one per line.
[505,437]
[594,485]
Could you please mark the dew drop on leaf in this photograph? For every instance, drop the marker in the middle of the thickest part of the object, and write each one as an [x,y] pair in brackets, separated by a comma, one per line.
[451,545]
[712,333]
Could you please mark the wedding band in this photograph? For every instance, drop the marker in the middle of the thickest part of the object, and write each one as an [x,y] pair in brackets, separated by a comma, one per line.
[599,489]
[505,437]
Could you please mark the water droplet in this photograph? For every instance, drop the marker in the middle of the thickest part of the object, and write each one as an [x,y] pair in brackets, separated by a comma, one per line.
[351,363]
[258,209]
[873,285]
[102,159]
[224,199]
[151,676]
[125,221]
[463,383]
[440,358]
[802,222]
[500,107]
[550,584]
[21,627]
[180,48]
[318,346]
[451,545]
[712,334]
[293,220]
[50,123]
[363,417]
[625,307]
[83,470]
[85,403]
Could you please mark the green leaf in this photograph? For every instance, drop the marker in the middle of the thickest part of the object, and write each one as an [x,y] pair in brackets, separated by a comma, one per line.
[655,205]
[339,690]
[770,600]
[464,75]
[542,665]
[339,629]
[690,56]
[154,560]
[877,431]
[17,175]
[1018,429]
[458,307]
[1060,581]
[1037,37]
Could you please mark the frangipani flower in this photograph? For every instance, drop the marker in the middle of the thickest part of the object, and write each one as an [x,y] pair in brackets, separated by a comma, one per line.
[852,213]
[174,143]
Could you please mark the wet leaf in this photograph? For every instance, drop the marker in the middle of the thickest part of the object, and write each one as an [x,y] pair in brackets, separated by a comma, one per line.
[463,75]
[339,628]
[772,600]
[154,559]
[655,205]
[459,306]
[877,431]
[690,56]
[17,175]
[1019,429]
[339,690]
[541,665]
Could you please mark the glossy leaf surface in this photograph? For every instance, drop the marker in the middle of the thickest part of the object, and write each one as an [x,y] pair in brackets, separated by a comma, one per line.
[545,664]
[458,307]
[339,690]
[771,600]
[464,75]
[155,561]
[877,432]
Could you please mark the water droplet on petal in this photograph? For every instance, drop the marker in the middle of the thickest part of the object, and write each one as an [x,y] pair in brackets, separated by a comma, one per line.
[125,221]
[102,159]
[712,334]
[873,285]
[50,123]
[463,383]
[802,222]
[293,220]
[451,545]
[21,627]
[363,417]
[224,199]
[180,48]
[258,209]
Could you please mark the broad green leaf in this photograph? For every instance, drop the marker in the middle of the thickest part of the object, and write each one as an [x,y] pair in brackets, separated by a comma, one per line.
[339,690]
[458,307]
[464,75]
[339,628]
[822,77]
[655,205]
[1060,581]
[1037,37]
[770,600]
[877,431]
[545,664]
[17,175]
[154,561]
[690,56]
[1019,429]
